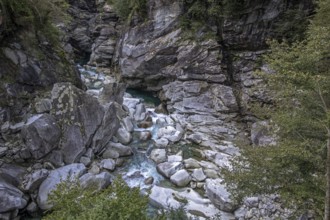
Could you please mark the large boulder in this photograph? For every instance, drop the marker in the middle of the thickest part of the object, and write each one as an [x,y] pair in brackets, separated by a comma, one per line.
[198,175]
[121,149]
[96,182]
[158,155]
[69,172]
[218,194]
[163,198]
[84,120]
[167,169]
[181,178]
[190,200]
[12,174]
[11,197]
[34,180]
[123,135]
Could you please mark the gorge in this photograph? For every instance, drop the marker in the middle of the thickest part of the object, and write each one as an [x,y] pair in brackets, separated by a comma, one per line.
[66,110]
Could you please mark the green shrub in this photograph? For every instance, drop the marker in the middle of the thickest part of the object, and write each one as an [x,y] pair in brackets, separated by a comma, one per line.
[117,202]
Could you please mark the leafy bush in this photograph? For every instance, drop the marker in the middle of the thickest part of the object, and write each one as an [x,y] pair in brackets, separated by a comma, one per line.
[117,202]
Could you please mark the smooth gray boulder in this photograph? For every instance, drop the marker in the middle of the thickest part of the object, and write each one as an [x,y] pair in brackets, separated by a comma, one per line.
[123,136]
[11,197]
[168,131]
[108,164]
[181,178]
[123,150]
[108,128]
[168,169]
[158,155]
[127,121]
[96,182]
[161,143]
[174,137]
[174,158]
[85,160]
[34,180]
[191,163]
[110,154]
[3,151]
[189,199]
[140,112]
[218,194]
[198,175]
[68,172]
[12,174]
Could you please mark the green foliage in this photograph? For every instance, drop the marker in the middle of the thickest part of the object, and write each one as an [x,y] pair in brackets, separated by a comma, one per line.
[127,8]
[37,15]
[117,202]
[292,25]
[300,116]
[207,13]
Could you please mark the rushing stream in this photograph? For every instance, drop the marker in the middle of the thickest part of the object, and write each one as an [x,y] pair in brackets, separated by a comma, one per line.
[138,168]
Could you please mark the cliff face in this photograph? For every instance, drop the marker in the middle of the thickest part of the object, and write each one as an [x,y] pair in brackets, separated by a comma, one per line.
[47,119]
[92,35]
[207,80]
[29,65]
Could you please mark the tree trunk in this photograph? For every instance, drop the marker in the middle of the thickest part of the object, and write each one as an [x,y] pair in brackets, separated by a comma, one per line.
[327,195]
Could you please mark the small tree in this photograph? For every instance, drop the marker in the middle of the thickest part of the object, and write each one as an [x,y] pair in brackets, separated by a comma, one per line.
[297,166]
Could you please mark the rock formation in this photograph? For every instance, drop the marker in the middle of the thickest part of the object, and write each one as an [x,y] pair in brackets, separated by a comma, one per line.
[54,122]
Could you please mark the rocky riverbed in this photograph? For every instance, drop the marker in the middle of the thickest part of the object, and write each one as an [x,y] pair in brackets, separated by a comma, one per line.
[59,120]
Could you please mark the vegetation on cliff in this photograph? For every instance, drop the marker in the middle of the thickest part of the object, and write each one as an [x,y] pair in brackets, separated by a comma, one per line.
[37,14]
[295,168]
[126,9]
